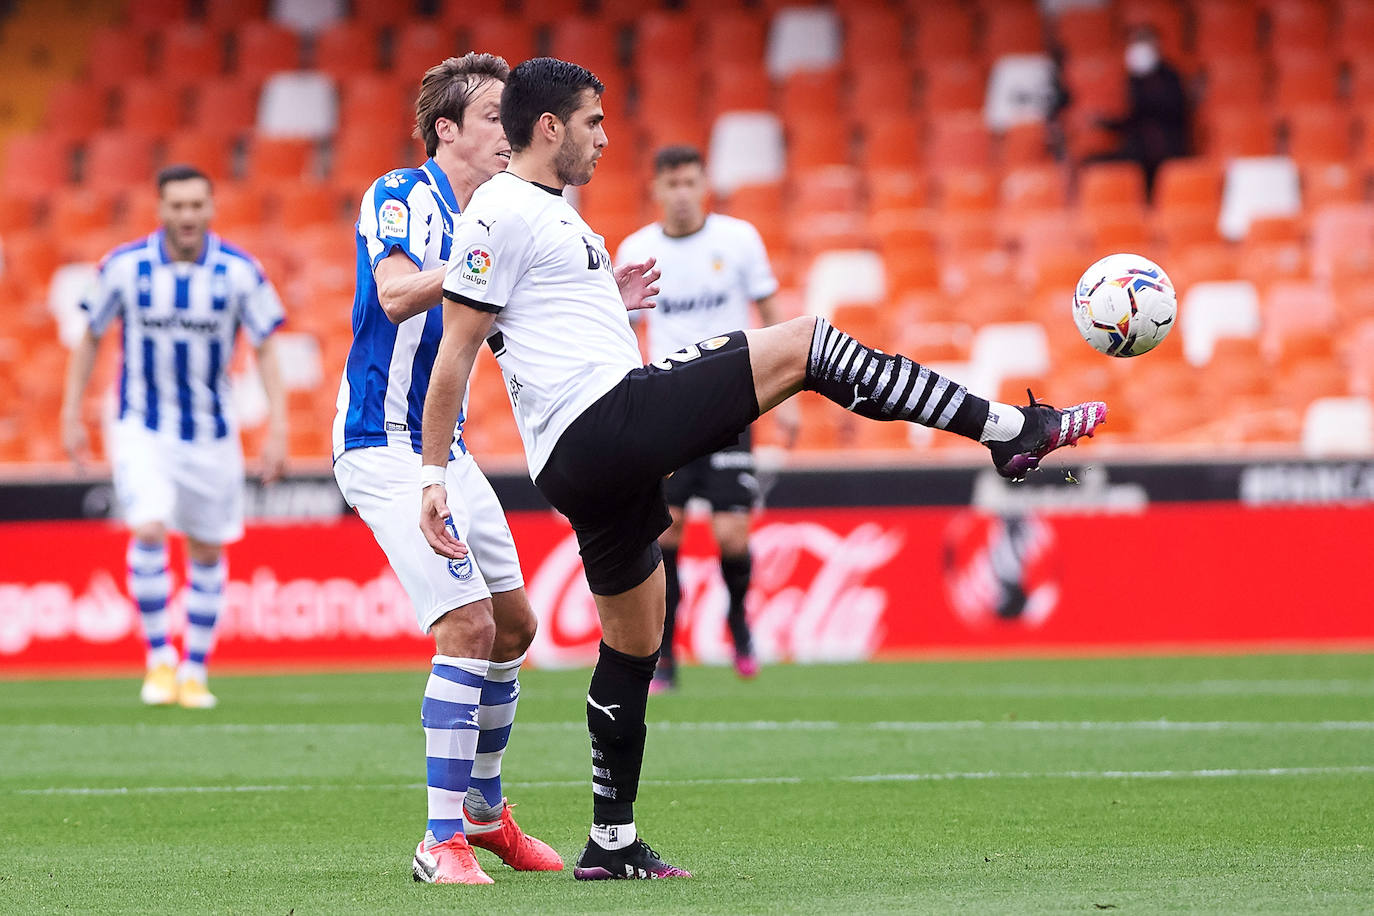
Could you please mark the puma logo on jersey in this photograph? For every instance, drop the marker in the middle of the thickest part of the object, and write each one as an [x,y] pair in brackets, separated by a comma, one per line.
[485,225]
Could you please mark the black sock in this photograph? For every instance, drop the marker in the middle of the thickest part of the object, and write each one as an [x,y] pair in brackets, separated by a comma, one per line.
[884,386]
[616,701]
[672,594]
[735,571]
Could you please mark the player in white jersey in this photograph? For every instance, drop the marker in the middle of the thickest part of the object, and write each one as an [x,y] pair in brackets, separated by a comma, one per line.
[181,293]
[477,609]
[533,280]
[713,266]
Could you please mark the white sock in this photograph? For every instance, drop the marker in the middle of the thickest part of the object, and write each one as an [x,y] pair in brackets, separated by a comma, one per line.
[1004,423]
[614,836]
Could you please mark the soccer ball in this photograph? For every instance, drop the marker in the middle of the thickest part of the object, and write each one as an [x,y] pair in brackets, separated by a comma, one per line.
[1124,305]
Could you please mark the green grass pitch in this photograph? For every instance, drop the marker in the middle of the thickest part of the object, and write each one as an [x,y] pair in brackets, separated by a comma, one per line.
[1149,785]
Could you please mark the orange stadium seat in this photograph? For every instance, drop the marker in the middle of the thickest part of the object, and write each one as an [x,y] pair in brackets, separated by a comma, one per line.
[967,189]
[1325,183]
[360,157]
[1233,81]
[1111,185]
[1267,263]
[1012,28]
[238,206]
[1184,226]
[1025,144]
[118,54]
[818,141]
[953,85]
[873,36]
[732,36]
[1166,17]
[227,14]
[1086,29]
[1275,229]
[149,106]
[896,189]
[224,108]
[117,159]
[831,189]
[738,86]
[959,141]
[1225,27]
[152,13]
[1320,133]
[880,90]
[1303,79]
[1036,187]
[378,101]
[808,95]
[892,142]
[1200,263]
[508,37]
[74,109]
[189,52]
[1355,31]
[76,211]
[280,159]
[588,41]
[262,48]
[380,14]
[665,41]
[658,132]
[347,48]
[1299,25]
[550,11]
[1191,182]
[300,205]
[1096,84]
[944,33]
[1238,131]
[419,44]
[139,215]
[17,214]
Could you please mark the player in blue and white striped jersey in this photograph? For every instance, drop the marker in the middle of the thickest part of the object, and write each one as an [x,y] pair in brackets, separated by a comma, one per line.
[181,294]
[477,610]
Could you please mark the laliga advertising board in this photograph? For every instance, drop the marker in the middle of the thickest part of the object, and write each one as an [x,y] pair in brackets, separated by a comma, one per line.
[1133,558]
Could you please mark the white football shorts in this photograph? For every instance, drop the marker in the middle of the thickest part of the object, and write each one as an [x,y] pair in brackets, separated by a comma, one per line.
[383,484]
[192,487]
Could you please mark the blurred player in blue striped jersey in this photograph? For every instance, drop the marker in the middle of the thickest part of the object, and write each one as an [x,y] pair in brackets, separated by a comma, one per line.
[476,610]
[181,294]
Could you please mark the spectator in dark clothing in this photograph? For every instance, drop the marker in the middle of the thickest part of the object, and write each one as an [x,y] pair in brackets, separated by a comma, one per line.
[1157,123]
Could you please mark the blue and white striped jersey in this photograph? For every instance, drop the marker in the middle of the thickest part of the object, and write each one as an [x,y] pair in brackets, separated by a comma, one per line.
[180,321]
[382,394]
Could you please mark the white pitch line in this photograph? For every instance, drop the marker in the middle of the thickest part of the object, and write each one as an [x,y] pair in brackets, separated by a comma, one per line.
[1213,773]
[756,725]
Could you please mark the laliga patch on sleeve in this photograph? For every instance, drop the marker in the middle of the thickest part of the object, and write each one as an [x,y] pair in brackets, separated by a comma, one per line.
[476,267]
[393,220]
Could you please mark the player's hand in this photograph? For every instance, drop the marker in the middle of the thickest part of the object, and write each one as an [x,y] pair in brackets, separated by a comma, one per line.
[636,282]
[74,439]
[436,521]
[788,419]
[273,456]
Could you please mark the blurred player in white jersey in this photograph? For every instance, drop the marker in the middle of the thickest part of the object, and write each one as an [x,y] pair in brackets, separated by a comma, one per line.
[713,266]
[182,294]
[529,277]
[476,610]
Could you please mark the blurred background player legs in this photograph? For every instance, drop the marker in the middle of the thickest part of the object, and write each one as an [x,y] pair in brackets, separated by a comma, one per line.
[713,266]
[476,610]
[182,294]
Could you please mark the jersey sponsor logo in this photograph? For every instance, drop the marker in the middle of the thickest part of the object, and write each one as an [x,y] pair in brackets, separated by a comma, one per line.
[476,266]
[672,306]
[597,258]
[685,355]
[393,180]
[393,427]
[392,219]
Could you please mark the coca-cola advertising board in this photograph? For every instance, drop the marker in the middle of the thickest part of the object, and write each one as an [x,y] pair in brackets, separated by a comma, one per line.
[829,584]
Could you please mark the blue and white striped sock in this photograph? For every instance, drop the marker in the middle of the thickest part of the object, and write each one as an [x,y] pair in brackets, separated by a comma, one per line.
[500,695]
[149,586]
[449,716]
[204,601]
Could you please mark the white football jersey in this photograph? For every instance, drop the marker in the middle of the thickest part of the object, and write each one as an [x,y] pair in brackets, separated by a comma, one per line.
[709,279]
[562,336]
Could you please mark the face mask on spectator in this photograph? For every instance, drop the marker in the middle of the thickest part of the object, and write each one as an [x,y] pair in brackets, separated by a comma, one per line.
[1141,57]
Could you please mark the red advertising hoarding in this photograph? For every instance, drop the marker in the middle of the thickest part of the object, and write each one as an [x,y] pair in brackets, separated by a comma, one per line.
[829,584]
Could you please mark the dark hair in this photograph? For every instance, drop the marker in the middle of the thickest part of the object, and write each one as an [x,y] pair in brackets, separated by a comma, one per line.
[540,85]
[180,173]
[671,157]
[447,88]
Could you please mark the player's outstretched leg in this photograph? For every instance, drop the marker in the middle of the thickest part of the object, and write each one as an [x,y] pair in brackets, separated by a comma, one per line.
[665,675]
[616,702]
[449,716]
[149,585]
[884,386]
[204,601]
[487,816]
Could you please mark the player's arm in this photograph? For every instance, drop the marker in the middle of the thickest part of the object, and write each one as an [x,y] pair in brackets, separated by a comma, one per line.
[79,367]
[465,328]
[274,446]
[403,289]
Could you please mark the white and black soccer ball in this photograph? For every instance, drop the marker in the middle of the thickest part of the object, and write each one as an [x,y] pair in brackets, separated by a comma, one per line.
[1124,305]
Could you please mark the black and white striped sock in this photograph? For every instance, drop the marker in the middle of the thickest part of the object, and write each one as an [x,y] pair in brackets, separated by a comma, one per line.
[883,386]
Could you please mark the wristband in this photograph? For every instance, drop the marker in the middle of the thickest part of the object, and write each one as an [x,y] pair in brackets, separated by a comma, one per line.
[432,475]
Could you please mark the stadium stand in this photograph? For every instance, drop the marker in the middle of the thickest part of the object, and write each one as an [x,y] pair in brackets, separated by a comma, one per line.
[854,135]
